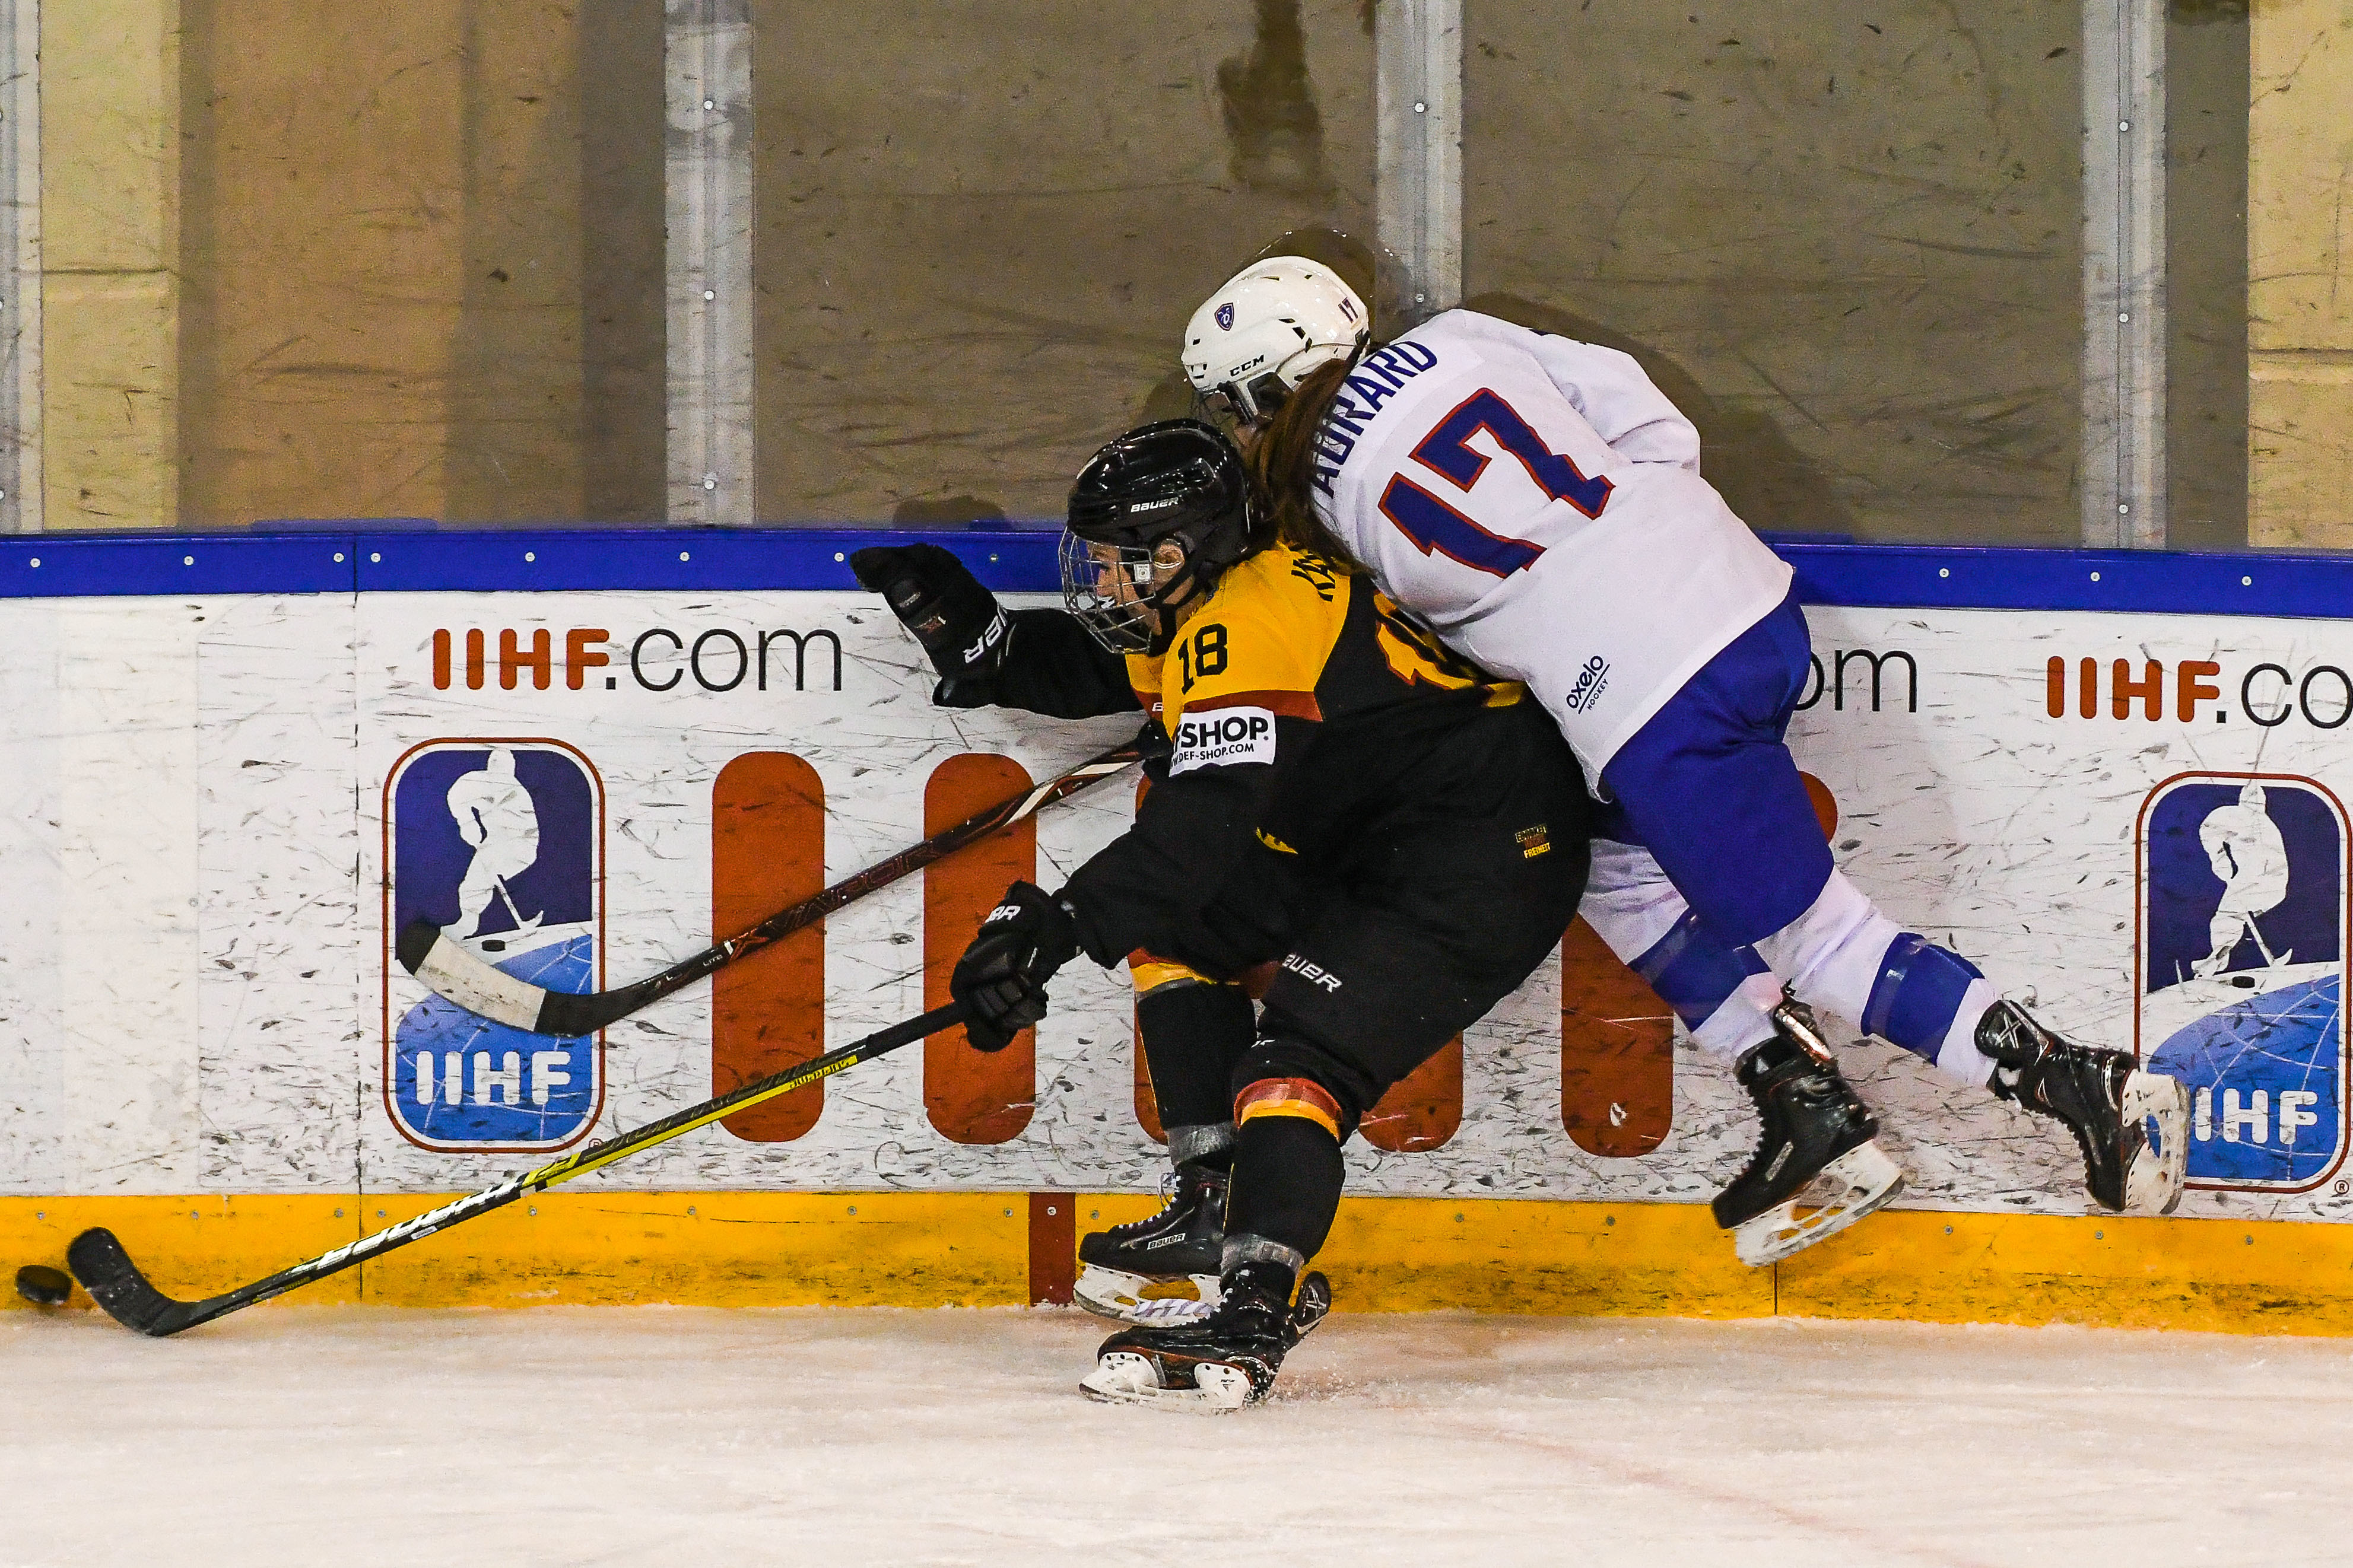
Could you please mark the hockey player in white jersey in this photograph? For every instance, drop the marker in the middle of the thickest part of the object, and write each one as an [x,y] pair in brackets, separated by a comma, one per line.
[1538,503]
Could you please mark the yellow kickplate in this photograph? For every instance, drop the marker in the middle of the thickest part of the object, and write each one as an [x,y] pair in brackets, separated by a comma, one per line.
[727,1249]
[1386,1255]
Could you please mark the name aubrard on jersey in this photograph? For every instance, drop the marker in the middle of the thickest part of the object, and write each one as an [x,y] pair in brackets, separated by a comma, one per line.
[1380,376]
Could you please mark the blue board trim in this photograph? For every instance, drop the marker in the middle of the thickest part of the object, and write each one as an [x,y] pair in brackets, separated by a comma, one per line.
[403,557]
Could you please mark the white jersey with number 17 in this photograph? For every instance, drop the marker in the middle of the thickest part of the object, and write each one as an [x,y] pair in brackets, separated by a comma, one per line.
[1537,501]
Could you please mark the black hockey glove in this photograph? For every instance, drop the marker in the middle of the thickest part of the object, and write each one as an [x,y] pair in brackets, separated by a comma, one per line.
[1001,978]
[962,630]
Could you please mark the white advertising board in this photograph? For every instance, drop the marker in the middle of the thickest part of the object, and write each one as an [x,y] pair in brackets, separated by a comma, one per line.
[220,807]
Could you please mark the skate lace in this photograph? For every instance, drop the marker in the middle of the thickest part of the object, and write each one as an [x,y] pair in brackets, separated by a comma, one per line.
[1757,1156]
[1172,1194]
[1138,1226]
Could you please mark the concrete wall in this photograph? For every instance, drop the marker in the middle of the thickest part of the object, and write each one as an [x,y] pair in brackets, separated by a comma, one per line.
[982,227]
[1844,236]
[423,261]
[110,286]
[2300,274]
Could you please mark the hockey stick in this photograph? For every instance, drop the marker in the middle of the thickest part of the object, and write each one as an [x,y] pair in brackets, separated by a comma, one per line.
[446,965]
[114,1282]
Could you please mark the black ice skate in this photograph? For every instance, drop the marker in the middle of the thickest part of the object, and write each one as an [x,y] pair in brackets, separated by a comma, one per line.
[2104,1099]
[1162,1269]
[1816,1144]
[1218,1362]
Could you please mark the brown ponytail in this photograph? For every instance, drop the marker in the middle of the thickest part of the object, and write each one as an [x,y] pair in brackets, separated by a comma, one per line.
[1281,464]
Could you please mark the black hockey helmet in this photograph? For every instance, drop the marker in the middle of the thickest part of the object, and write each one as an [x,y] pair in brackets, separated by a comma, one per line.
[1154,517]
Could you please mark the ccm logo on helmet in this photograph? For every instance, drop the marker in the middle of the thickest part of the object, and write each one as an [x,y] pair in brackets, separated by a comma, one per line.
[1222,737]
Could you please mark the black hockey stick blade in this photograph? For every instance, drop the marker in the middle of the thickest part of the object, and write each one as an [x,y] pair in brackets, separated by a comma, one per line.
[456,974]
[114,1282]
[117,1285]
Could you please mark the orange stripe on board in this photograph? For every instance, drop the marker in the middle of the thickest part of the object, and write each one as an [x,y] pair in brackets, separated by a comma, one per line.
[1825,803]
[971,1096]
[1422,1109]
[1616,1052]
[768,1012]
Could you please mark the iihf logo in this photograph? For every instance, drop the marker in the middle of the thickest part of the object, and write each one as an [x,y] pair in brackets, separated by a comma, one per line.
[1226,318]
[499,843]
[2242,947]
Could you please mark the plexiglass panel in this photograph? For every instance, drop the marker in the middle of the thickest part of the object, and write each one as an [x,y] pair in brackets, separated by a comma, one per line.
[981,228]
[1845,237]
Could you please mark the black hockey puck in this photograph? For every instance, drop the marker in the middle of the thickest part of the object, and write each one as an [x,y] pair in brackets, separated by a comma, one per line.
[44,1285]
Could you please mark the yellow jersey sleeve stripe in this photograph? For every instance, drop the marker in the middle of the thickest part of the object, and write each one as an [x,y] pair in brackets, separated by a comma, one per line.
[1270,627]
[1150,973]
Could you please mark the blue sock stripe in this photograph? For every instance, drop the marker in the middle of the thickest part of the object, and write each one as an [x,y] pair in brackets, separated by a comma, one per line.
[1918,995]
[1693,972]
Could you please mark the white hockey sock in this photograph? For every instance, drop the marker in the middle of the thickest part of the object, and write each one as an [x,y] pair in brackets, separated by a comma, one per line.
[1741,1021]
[1959,1057]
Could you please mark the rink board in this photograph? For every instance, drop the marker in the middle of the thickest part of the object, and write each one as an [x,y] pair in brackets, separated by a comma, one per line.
[236,763]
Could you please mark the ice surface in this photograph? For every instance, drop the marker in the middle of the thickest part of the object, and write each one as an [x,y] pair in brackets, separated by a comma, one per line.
[688,1436]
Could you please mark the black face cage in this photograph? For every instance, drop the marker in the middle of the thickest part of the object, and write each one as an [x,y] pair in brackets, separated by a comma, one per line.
[1128,625]
[1244,402]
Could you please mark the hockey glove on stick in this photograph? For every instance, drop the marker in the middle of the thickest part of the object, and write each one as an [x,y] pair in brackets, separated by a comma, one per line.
[1000,981]
[962,630]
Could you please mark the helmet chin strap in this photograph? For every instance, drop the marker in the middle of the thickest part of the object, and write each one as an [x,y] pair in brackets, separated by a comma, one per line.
[1172,613]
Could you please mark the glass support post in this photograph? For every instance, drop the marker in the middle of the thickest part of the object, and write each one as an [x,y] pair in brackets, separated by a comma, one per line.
[707,177]
[1418,164]
[2124,476]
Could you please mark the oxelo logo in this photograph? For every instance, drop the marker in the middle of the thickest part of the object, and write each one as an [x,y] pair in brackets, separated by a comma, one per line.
[1591,681]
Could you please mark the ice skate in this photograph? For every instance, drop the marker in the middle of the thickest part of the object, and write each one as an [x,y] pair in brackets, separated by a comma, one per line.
[1220,1361]
[1162,1269]
[1817,1144]
[2104,1099]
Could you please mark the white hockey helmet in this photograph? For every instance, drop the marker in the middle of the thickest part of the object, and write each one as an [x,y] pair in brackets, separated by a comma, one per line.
[1267,329]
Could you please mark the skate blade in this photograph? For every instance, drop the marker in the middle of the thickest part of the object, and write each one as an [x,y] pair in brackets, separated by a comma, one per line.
[1126,1298]
[1125,1378]
[2153,1183]
[1859,1181]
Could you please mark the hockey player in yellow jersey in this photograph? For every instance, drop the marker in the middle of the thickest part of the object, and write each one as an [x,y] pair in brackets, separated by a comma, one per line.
[1401,833]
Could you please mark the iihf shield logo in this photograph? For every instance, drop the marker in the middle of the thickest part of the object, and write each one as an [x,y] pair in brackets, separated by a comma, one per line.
[2243,946]
[1225,318]
[499,843]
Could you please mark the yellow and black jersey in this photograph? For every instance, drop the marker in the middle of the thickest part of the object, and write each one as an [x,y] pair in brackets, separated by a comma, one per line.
[1287,633]
[1305,714]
